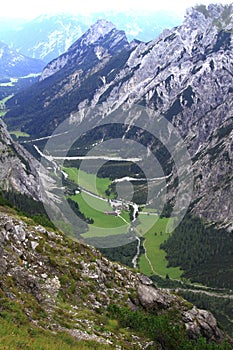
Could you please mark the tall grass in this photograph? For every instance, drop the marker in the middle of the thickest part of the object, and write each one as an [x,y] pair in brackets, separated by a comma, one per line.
[28,337]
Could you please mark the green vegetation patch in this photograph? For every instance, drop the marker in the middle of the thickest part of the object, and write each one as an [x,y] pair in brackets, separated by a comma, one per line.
[28,337]
[4,100]
[203,251]
[153,238]
[19,133]
[94,231]
[161,329]
[11,82]
[97,209]
[26,206]
[3,109]
[88,181]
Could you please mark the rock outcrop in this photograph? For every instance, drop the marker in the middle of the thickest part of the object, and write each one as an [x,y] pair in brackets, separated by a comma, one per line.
[197,322]
[19,170]
[45,271]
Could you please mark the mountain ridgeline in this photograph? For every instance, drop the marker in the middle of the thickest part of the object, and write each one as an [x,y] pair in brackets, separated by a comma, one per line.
[51,36]
[183,75]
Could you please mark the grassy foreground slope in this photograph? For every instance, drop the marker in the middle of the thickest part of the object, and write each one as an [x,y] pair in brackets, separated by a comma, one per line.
[27,337]
[59,294]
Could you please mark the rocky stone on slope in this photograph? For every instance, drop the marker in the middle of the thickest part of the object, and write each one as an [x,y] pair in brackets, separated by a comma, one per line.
[197,322]
[45,275]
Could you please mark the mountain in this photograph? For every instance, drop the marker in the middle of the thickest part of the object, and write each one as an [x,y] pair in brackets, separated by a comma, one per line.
[97,45]
[66,74]
[20,178]
[50,36]
[64,294]
[14,64]
[59,293]
[183,75]
[18,169]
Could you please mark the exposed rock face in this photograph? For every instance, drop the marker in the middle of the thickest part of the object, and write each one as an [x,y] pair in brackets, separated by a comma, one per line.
[201,322]
[101,41]
[19,171]
[197,322]
[155,299]
[58,269]
[185,75]
[14,64]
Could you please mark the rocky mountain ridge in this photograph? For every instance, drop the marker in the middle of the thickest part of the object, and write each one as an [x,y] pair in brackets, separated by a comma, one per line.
[20,172]
[14,64]
[183,75]
[45,273]
[51,36]
[101,41]
[18,169]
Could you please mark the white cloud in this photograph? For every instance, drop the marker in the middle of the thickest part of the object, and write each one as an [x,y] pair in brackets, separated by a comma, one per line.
[28,8]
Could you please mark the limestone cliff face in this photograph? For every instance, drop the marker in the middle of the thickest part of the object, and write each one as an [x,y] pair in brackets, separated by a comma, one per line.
[17,167]
[46,271]
[184,75]
[101,41]
[19,170]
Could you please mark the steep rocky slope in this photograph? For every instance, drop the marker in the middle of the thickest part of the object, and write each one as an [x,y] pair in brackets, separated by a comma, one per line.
[101,41]
[14,64]
[18,169]
[47,280]
[20,172]
[184,75]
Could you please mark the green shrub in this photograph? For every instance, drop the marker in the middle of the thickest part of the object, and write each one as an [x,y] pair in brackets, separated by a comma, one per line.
[161,329]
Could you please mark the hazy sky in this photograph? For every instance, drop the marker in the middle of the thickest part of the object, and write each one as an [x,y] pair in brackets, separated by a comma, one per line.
[31,9]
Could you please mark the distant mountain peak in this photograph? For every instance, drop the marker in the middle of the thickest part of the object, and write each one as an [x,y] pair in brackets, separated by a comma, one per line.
[102,27]
[102,39]
[52,35]
[97,31]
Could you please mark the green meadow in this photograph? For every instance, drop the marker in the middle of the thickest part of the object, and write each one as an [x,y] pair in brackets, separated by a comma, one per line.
[95,208]
[88,181]
[10,83]
[2,102]
[19,133]
[154,233]
[27,337]
[150,226]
